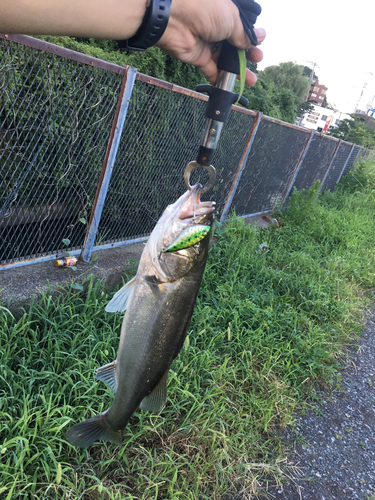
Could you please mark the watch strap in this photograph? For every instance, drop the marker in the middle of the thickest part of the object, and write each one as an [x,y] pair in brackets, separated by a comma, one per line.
[152,28]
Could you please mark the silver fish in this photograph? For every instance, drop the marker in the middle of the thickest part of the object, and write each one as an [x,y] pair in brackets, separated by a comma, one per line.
[159,303]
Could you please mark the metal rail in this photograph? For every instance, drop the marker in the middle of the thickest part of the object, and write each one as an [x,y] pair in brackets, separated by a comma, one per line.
[241,166]
[330,164]
[109,162]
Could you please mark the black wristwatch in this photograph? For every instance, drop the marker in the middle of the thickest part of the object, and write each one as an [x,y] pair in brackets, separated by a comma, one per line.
[152,28]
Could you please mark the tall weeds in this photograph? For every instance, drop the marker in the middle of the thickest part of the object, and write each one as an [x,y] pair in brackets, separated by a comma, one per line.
[271,321]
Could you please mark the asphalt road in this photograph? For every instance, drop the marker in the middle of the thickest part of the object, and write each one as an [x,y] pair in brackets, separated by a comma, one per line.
[335,445]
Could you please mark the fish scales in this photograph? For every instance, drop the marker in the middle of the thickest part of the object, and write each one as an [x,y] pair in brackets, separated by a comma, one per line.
[149,345]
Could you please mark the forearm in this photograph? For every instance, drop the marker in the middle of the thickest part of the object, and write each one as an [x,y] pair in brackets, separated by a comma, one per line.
[111,19]
[192,32]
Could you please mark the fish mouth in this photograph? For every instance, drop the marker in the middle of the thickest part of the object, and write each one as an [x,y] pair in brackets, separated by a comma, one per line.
[193,207]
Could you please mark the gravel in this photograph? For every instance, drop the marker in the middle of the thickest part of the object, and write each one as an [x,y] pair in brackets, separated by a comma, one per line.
[335,444]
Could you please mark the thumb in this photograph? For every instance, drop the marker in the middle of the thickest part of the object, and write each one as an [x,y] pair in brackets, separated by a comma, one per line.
[208,68]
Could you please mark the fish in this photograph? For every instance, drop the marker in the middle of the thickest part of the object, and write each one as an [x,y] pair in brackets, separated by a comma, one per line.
[158,304]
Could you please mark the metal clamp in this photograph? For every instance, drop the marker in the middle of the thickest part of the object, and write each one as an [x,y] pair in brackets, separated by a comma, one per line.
[209,169]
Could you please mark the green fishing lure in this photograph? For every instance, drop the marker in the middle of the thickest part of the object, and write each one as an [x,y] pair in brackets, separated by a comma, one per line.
[188,237]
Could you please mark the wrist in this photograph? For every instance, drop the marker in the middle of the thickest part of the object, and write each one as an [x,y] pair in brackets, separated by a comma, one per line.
[138,14]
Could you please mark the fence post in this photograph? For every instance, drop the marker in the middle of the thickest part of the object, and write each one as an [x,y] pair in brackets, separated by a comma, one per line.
[241,165]
[298,166]
[330,164]
[357,156]
[346,162]
[109,161]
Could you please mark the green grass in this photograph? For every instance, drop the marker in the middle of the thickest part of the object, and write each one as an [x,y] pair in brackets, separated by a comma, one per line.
[267,327]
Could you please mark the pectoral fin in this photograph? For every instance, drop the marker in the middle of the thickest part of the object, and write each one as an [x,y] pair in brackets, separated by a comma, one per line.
[107,374]
[157,399]
[121,299]
[153,284]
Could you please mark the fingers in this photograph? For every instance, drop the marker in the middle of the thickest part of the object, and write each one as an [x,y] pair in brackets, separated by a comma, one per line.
[208,64]
[210,71]
[238,38]
[254,55]
[206,61]
[261,34]
[250,78]
[192,38]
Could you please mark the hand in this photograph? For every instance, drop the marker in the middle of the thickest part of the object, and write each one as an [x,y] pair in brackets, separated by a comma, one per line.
[195,26]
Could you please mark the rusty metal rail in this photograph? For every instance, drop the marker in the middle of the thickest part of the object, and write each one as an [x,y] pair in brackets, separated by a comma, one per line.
[109,162]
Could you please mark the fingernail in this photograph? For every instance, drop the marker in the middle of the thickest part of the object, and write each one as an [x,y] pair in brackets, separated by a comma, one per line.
[260,33]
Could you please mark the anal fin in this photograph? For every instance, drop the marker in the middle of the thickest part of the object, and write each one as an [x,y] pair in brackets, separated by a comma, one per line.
[107,374]
[157,399]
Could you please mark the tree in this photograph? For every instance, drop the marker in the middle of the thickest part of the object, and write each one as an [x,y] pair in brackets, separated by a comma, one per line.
[252,66]
[326,104]
[307,72]
[153,62]
[289,75]
[355,131]
[305,107]
[272,100]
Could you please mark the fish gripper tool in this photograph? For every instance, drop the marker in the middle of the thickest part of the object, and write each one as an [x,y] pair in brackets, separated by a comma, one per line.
[221,96]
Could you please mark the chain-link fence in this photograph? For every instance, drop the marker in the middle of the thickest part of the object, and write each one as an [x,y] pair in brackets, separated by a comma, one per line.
[316,162]
[161,135]
[90,155]
[352,159]
[269,168]
[55,119]
[337,165]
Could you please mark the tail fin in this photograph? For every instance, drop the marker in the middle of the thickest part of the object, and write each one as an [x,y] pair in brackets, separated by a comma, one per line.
[87,432]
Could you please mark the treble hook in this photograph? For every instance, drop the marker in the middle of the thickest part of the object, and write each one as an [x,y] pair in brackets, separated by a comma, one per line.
[209,169]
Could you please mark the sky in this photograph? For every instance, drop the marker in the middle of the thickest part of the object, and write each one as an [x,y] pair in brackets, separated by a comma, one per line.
[338,35]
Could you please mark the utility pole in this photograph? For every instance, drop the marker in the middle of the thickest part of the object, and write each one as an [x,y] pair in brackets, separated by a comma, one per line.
[308,90]
[361,94]
[311,78]
[360,97]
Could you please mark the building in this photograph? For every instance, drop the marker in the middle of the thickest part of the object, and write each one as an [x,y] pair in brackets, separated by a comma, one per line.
[317,92]
[368,116]
[323,119]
